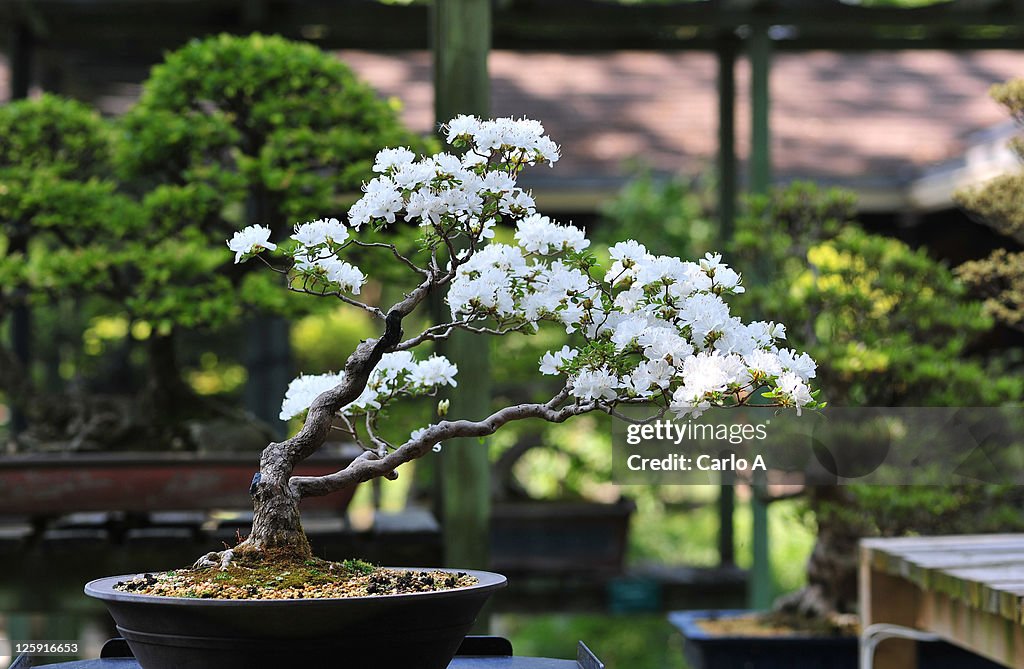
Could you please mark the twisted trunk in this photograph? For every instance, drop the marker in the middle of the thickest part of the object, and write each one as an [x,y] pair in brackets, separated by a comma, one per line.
[276,524]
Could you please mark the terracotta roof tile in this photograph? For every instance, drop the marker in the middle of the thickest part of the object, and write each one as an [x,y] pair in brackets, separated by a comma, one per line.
[845,117]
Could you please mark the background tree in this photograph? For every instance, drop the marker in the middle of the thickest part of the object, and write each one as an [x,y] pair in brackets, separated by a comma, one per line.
[227,130]
[889,326]
[234,130]
[64,245]
[999,278]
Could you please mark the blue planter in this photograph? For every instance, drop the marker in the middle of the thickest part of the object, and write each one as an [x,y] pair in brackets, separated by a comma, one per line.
[704,650]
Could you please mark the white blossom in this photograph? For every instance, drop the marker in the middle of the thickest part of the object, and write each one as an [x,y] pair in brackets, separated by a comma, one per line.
[393,159]
[763,362]
[348,277]
[249,240]
[303,390]
[320,231]
[538,234]
[649,376]
[594,384]
[794,387]
[461,126]
[552,363]
[627,330]
[382,199]
[704,376]
[800,364]
[436,370]
[704,313]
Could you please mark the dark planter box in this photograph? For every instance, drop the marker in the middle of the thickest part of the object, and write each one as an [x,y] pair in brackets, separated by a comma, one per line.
[560,537]
[708,651]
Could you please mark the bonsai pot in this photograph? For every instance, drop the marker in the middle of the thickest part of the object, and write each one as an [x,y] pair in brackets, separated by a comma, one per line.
[707,650]
[420,630]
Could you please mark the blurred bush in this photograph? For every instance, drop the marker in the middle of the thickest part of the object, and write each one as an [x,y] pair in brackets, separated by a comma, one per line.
[999,278]
[115,231]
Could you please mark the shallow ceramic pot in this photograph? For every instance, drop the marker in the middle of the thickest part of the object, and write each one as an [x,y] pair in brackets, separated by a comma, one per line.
[419,630]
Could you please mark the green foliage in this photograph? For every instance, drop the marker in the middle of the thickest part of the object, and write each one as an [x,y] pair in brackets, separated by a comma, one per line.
[887,324]
[128,218]
[231,131]
[59,211]
[999,279]
[670,217]
[60,136]
[998,204]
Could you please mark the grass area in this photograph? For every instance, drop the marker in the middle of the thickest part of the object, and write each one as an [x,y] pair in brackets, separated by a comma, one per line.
[621,642]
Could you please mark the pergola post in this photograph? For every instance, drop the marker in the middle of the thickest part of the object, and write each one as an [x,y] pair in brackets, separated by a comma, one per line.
[760,51]
[20,62]
[461,42]
[727,161]
[727,171]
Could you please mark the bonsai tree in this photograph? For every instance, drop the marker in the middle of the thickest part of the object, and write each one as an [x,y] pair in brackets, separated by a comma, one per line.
[66,236]
[234,129]
[889,326]
[648,329]
[128,220]
[999,278]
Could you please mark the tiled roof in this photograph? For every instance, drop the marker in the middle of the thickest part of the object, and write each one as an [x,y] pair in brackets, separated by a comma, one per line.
[872,121]
[866,119]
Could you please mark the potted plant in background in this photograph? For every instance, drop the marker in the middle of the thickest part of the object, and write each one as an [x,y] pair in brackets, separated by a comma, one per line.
[889,326]
[115,236]
[651,330]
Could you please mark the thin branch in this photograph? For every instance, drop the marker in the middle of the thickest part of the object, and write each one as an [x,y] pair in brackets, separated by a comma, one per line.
[395,252]
[443,331]
[373,311]
[610,410]
[367,468]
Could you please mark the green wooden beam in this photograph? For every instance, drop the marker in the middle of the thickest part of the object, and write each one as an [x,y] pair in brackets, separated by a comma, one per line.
[155,25]
[759,46]
[727,161]
[727,178]
[760,51]
[462,40]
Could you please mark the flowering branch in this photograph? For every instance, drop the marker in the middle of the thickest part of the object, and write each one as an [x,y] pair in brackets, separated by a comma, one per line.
[649,329]
[370,466]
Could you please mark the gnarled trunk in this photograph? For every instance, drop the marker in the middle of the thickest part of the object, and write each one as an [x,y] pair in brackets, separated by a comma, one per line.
[276,525]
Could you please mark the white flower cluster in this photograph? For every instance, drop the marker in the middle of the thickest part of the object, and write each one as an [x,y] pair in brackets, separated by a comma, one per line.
[669,328]
[396,375]
[250,240]
[460,195]
[650,328]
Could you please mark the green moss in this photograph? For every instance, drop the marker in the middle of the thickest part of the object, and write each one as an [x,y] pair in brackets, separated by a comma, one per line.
[284,574]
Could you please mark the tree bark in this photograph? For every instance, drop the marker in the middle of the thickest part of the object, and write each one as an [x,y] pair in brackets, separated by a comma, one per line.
[276,524]
[832,568]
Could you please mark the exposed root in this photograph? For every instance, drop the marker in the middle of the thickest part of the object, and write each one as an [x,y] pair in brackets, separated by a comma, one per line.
[220,559]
